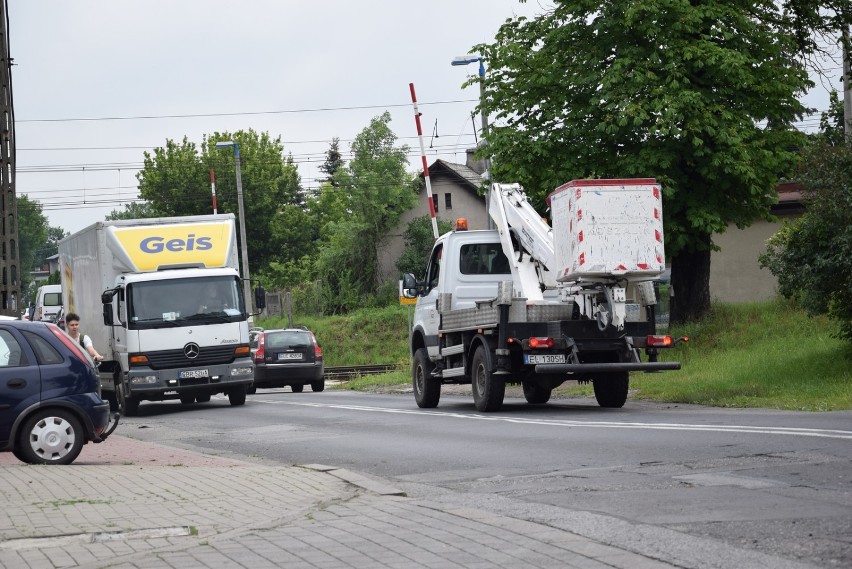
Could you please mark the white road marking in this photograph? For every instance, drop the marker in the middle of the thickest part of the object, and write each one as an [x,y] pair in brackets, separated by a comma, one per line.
[794,431]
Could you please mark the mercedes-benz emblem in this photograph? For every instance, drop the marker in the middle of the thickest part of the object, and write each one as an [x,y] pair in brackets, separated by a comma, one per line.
[191,350]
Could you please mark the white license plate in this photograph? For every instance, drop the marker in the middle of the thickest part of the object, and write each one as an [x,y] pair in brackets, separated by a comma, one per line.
[289,356]
[194,373]
[544,358]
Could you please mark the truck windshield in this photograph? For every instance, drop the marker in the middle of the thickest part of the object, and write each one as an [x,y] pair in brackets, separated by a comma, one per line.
[177,302]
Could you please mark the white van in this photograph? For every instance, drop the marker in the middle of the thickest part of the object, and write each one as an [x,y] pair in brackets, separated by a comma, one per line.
[48,302]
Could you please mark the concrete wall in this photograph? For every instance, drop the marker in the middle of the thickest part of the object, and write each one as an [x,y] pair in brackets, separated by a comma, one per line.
[735,274]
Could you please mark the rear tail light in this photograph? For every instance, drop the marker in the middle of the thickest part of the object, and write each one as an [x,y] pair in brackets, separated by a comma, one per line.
[536,343]
[317,349]
[659,341]
[259,353]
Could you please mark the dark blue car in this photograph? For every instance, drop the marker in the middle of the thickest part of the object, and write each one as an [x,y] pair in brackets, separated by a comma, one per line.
[50,404]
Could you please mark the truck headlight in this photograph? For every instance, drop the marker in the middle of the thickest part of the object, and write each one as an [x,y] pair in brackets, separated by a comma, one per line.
[143,380]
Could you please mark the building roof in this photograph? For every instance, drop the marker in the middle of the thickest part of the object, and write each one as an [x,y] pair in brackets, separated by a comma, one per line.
[462,174]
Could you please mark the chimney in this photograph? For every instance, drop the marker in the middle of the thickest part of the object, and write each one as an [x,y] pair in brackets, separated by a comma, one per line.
[473,163]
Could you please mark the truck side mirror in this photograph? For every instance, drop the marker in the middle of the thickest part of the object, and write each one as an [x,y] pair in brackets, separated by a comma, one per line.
[409,285]
[260,298]
[108,319]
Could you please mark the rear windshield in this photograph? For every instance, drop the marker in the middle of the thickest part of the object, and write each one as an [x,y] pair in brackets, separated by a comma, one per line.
[53,299]
[295,339]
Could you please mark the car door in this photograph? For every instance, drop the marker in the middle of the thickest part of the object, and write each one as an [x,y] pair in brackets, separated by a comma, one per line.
[20,381]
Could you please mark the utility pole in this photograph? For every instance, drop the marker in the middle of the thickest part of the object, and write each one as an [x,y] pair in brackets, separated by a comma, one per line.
[847,92]
[10,267]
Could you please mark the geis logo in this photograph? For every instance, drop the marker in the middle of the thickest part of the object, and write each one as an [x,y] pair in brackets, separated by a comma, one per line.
[153,246]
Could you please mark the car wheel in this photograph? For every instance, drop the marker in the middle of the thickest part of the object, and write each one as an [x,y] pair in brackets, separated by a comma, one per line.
[187,399]
[297,388]
[51,436]
[237,395]
[318,385]
[202,397]
[251,390]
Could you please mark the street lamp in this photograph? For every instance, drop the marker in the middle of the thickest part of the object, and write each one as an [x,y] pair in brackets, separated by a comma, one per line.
[466,60]
[243,250]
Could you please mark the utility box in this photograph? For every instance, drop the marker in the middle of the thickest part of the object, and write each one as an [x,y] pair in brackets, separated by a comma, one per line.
[608,228]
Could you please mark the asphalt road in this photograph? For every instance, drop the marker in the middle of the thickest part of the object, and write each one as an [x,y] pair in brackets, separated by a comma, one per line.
[668,481]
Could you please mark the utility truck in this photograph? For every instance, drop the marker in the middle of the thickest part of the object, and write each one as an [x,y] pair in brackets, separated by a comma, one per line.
[162,301]
[535,305]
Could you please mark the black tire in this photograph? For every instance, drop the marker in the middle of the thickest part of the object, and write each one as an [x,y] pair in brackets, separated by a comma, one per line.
[297,388]
[611,389]
[187,399]
[202,397]
[251,390]
[488,389]
[51,436]
[536,394]
[127,405]
[237,395]
[427,389]
[318,385]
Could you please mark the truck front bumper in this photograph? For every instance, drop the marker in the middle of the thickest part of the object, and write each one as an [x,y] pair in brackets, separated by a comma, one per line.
[212,378]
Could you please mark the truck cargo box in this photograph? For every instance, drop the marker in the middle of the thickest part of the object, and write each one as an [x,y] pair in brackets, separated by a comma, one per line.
[608,228]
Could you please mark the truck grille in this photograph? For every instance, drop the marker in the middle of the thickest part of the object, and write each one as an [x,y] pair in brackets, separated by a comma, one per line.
[169,359]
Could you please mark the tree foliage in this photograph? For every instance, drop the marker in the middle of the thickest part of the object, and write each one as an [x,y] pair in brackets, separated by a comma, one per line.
[372,192]
[33,233]
[812,256]
[175,181]
[419,240]
[700,95]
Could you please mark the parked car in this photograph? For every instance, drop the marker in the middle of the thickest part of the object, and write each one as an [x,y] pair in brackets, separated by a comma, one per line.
[50,404]
[289,356]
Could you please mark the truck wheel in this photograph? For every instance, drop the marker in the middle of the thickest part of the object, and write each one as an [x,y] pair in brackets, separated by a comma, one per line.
[251,390]
[611,388]
[488,389]
[318,385]
[127,404]
[202,397]
[51,436]
[187,399]
[298,388]
[535,393]
[237,395]
[427,389]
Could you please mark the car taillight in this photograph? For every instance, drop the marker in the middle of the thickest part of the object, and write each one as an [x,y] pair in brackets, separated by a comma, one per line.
[659,341]
[259,352]
[317,349]
[541,343]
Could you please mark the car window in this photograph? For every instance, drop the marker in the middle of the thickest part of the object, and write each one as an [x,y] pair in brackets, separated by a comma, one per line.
[10,350]
[288,340]
[45,353]
[52,298]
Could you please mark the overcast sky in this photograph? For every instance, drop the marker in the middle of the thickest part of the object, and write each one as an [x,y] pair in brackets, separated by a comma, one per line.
[96,83]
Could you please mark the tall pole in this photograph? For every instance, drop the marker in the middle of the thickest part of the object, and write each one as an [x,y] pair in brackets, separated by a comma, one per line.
[243,245]
[847,90]
[484,137]
[425,164]
[213,189]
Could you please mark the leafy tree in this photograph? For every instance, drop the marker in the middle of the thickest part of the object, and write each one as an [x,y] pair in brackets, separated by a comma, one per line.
[333,161]
[132,210]
[831,129]
[418,244]
[33,232]
[700,95]
[812,257]
[375,189]
[175,181]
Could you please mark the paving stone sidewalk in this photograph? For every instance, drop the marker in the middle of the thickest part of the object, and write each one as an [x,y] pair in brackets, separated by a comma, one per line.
[131,504]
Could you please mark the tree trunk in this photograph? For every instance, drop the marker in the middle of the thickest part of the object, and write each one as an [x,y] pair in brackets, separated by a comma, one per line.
[691,284]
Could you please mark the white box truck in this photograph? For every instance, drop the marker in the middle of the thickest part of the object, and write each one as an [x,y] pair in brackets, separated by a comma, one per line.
[162,301]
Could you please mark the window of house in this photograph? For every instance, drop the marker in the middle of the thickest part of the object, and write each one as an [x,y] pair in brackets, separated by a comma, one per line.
[448,201]
[435,202]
